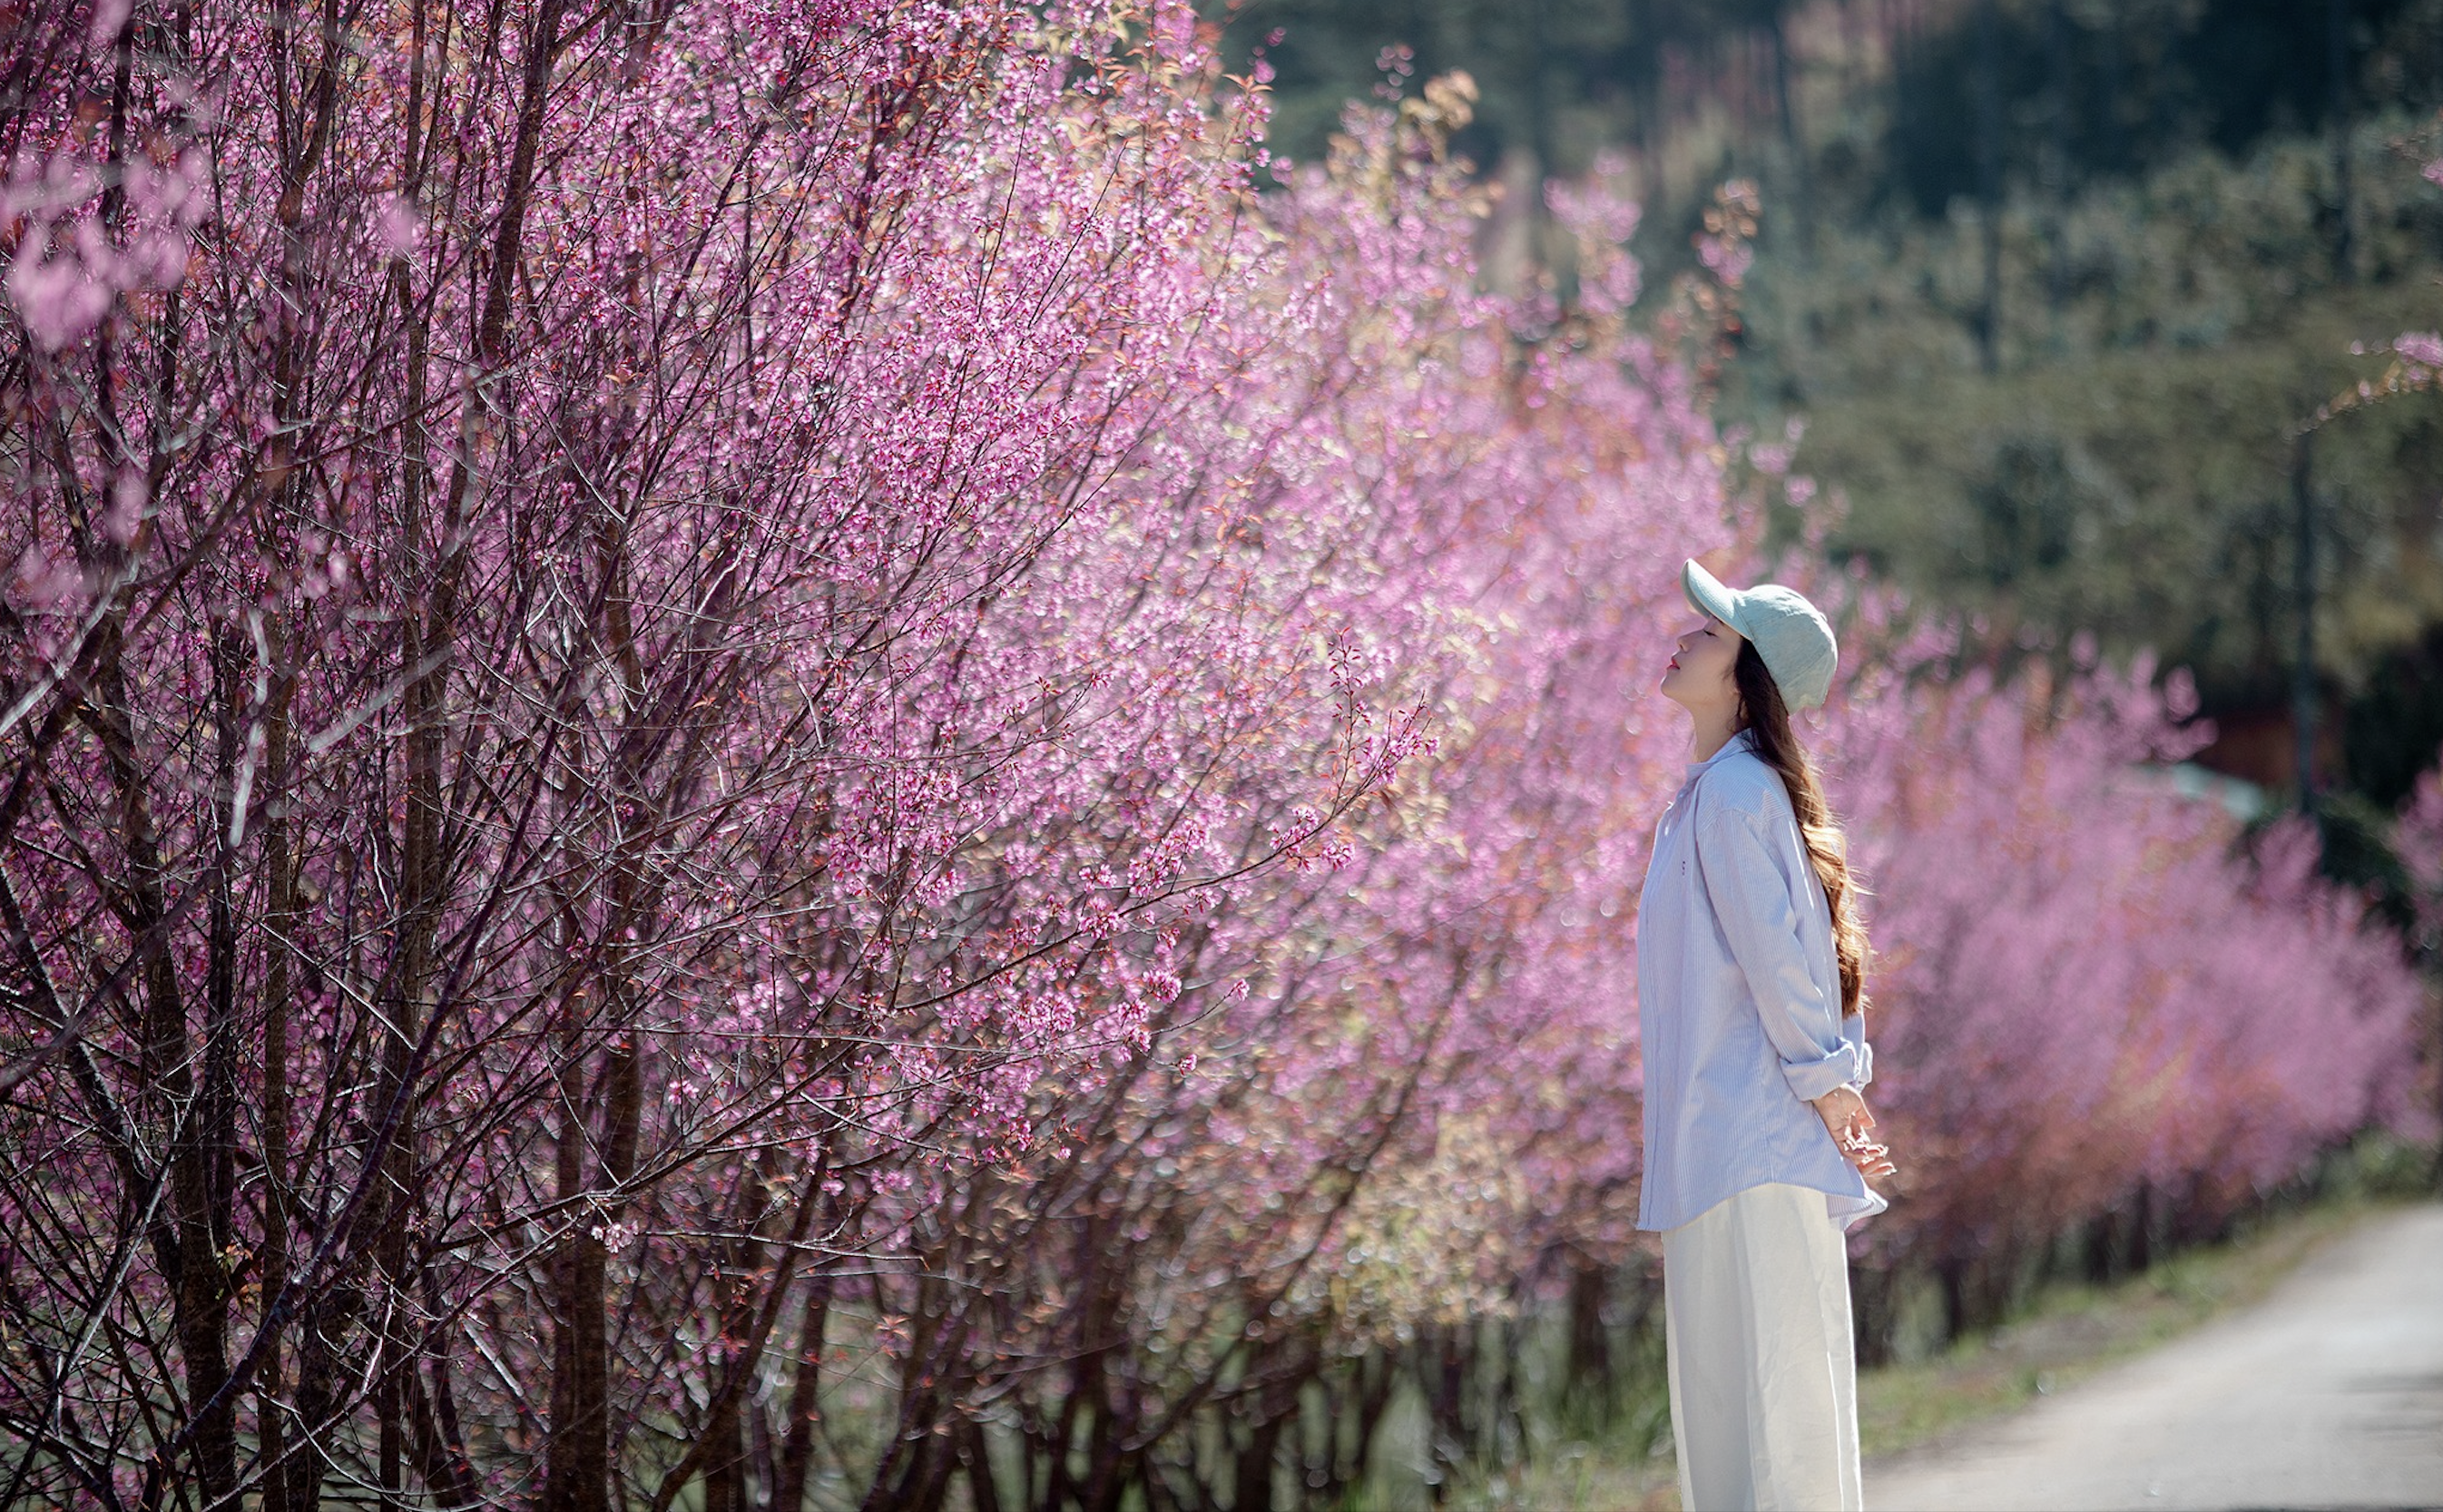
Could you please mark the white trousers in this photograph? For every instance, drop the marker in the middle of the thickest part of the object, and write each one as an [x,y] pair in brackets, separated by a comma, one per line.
[1764,1382]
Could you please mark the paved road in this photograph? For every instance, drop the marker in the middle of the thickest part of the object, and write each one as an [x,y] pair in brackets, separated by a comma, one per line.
[2328,1393]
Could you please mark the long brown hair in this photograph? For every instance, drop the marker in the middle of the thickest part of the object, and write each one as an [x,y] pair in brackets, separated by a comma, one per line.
[1761,710]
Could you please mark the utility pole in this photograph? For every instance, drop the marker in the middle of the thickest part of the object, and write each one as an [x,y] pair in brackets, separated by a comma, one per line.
[2302,675]
[2337,84]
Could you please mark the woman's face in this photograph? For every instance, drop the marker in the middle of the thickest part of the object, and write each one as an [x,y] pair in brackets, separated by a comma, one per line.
[1699,678]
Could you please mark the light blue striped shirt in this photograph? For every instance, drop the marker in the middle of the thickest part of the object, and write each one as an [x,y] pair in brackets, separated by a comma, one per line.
[1738,1002]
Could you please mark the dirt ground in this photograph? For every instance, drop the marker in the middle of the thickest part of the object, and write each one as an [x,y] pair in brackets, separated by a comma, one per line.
[2327,1393]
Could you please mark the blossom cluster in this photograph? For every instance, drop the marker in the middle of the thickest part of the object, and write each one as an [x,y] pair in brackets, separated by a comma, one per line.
[795,711]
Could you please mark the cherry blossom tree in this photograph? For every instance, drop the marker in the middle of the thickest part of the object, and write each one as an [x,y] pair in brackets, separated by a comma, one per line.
[815,752]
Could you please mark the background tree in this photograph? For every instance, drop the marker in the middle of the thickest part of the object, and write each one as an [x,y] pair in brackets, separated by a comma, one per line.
[768,755]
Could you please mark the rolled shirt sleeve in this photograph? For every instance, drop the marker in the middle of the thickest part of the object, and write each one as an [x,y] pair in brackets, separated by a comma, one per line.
[1758,905]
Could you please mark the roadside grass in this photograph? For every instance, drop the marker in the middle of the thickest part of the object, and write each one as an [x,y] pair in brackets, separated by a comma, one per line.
[2068,1332]
[2071,1331]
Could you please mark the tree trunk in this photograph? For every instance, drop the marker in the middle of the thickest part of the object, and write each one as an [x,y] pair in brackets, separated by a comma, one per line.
[1988,75]
[805,1407]
[280,926]
[2337,84]
[578,1462]
[1590,1360]
[1792,142]
[2056,166]
[2302,579]
[1254,1481]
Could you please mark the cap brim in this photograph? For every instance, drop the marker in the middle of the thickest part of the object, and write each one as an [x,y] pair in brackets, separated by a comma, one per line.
[1706,593]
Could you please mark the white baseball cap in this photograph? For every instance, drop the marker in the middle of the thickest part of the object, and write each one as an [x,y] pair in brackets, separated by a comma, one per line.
[1791,634]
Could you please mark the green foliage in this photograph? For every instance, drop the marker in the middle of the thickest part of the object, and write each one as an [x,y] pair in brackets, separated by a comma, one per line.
[2084,423]
[2377,1166]
[2393,723]
[2157,338]
[2141,493]
[2358,851]
[2086,90]
[1562,77]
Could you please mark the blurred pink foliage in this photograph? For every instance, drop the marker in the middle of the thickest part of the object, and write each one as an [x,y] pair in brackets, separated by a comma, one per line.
[876,703]
[2419,844]
[2088,993]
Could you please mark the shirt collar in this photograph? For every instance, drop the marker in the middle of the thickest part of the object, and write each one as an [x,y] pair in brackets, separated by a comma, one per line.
[1744,740]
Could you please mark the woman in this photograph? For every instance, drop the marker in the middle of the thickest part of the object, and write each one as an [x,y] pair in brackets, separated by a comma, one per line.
[1750,976]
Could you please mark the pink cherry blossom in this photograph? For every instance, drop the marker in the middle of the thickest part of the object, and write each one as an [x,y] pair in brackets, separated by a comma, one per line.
[783,744]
